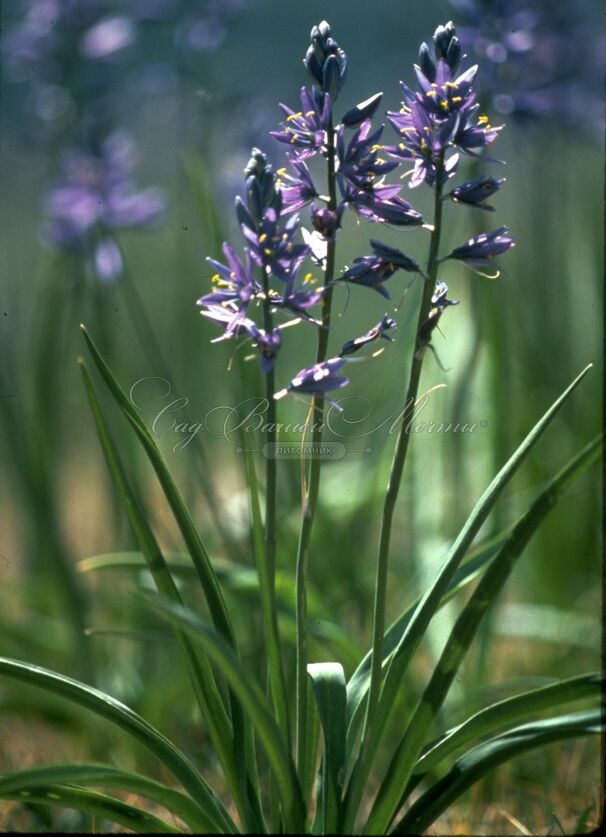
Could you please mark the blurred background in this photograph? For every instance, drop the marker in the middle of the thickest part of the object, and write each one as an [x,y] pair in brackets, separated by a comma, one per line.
[156,104]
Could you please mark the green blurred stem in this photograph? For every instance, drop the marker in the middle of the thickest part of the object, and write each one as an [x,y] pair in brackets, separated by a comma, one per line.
[310,493]
[399,460]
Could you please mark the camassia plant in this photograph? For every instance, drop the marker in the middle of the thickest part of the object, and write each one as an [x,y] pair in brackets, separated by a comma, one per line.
[336,756]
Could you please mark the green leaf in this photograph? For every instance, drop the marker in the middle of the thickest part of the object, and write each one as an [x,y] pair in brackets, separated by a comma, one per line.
[186,525]
[328,683]
[108,777]
[206,574]
[253,702]
[202,676]
[243,581]
[93,802]
[112,710]
[430,603]
[476,763]
[359,682]
[461,637]
[498,716]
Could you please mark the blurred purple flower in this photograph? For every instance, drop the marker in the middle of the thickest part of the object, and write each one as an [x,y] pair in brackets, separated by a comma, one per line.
[109,36]
[95,198]
[539,59]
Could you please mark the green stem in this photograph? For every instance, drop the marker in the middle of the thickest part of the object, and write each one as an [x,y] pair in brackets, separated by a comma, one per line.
[267,572]
[310,496]
[368,747]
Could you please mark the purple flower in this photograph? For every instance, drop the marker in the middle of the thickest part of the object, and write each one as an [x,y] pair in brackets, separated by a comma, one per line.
[317,379]
[305,130]
[297,190]
[235,287]
[375,333]
[298,299]
[236,325]
[475,192]
[359,161]
[374,271]
[107,37]
[97,197]
[423,139]
[273,245]
[477,252]
[442,117]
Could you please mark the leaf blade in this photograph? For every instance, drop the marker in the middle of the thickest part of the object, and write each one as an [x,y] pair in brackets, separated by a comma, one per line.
[122,716]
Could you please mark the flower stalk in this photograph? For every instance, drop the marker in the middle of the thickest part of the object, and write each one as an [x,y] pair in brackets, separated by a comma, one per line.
[312,488]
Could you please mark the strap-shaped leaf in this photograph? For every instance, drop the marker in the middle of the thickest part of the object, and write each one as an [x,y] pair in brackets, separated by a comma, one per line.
[190,534]
[202,676]
[253,703]
[113,710]
[461,637]
[241,735]
[107,777]
[359,682]
[328,684]
[93,802]
[497,717]
[476,763]
[430,602]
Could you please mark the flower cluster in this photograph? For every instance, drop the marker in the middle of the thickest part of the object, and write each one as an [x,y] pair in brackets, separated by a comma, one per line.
[96,197]
[352,142]
[242,286]
[436,123]
[441,118]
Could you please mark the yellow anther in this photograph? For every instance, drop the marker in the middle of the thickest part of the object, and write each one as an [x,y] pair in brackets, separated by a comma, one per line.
[483,119]
[310,113]
[294,116]
[444,105]
[281,172]
[309,279]
[376,148]
[432,93]
[267,251]
[294,138]
[262,238]
[214,279]
[456,99]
